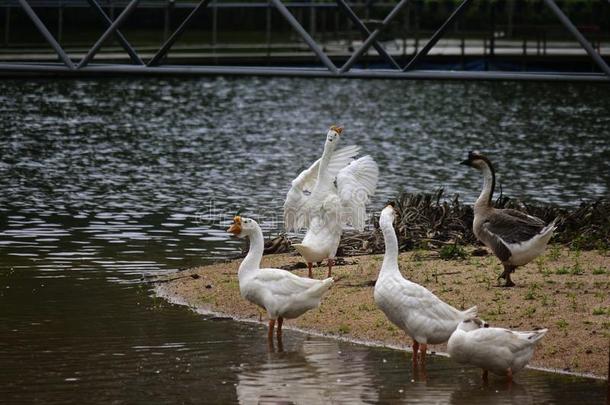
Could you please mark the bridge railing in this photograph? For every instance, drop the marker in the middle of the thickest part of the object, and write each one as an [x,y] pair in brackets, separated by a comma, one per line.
[349,66]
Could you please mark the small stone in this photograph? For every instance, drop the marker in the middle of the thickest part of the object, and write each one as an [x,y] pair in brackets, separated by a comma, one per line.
[208,286]
[588,351]
[195,276]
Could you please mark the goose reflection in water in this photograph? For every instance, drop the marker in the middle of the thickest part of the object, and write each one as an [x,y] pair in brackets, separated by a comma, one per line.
[315,372]
[495,392]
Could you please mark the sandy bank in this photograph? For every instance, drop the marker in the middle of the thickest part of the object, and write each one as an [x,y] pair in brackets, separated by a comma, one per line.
[565,291]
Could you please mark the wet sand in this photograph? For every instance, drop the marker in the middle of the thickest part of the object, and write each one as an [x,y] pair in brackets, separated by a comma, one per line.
[566,291]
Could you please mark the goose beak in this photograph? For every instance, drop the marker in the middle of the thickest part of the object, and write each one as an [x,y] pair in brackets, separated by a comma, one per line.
[465,162]
[234,229]
[337,129]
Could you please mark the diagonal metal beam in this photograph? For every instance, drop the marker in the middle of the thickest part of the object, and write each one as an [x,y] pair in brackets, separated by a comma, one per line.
[120,38]
[371,38]
[579,37]
[109,31]
[437,35]
[155,60]
[360,25]
[306,37]
[46,34]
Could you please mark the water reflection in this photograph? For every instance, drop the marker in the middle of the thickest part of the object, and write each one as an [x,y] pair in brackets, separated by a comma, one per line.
[317,371]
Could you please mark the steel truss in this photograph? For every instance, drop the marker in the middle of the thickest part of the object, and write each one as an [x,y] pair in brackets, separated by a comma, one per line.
[155,65]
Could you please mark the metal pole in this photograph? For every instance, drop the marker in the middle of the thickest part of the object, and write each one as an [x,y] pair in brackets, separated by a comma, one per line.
[214,23]
[111,30]
[369,41]
[120,38]
[166,21]
[7,25]
[306,37]
[492,37]
[60,21]
[98,70]
[579,37]
[268,28]
[352,16]
[312,19]
[437,35]
[154,61]
[46,34]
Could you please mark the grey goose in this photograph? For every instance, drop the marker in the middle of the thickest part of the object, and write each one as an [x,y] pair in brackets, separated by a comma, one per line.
[514,237]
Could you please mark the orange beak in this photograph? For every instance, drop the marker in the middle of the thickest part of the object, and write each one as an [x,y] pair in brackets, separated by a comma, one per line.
[337,129]
[235,227]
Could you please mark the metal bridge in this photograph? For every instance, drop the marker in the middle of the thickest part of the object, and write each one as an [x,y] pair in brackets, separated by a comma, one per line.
[349,66]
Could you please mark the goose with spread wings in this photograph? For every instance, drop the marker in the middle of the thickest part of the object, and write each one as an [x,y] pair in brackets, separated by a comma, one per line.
[327,196]
[514,237]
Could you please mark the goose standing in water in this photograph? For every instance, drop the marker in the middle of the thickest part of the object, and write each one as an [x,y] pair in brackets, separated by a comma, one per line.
[514,237]
[331,193]
[281,293]
[502,351]
[413,308]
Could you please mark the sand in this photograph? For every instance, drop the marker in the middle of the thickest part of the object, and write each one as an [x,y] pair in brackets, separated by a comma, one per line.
[566,291]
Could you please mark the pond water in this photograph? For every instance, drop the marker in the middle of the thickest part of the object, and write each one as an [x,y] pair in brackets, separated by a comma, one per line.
[106,181]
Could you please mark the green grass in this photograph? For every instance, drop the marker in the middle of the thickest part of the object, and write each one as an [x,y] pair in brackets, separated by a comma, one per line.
[529,311]
[344,328]
[562,324]
[453,252]
[554,252]
[563,270]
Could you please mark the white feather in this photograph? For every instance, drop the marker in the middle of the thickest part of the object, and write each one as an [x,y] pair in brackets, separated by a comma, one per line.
[493,349]
[356,183]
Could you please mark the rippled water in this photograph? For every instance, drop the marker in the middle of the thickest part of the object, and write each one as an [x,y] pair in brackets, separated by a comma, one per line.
[106,181]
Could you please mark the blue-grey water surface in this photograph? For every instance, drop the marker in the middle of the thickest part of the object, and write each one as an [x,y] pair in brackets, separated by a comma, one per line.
[106,181]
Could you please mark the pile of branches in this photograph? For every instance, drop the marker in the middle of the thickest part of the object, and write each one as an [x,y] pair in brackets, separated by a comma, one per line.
[429,221]
[422,221]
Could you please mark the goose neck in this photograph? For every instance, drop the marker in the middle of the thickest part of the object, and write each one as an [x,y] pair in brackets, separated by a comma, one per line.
[489,184]
[390,258]
[252,261]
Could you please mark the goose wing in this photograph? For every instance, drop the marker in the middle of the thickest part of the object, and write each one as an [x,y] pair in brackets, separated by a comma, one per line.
[507,227]
[356,183]
[426,306]
[515,341]
[514,226]
[300,197]
[280,283]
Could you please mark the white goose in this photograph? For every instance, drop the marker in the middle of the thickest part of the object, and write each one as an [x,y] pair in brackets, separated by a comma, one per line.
[413,308]
[514,237]
[281,293]
[326,196]
[502,351]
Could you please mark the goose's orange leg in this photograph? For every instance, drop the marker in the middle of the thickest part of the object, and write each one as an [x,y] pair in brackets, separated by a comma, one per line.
[270,331]
[309,266]
[422,353]
[415,349]
[280,321]
[485,376]
[331,262]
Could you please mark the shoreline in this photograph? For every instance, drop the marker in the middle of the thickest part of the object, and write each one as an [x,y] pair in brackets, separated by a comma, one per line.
[348,312]
[161,293]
